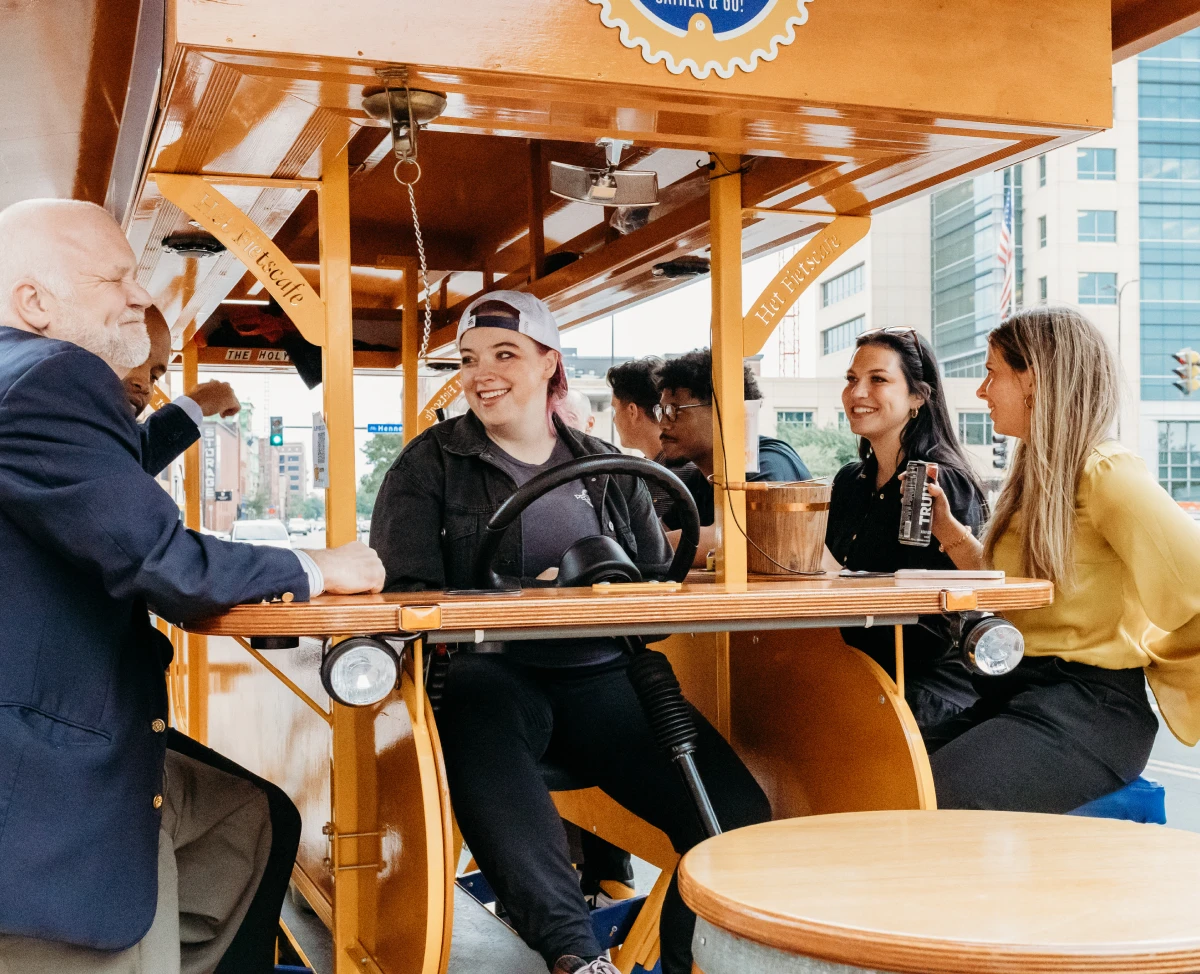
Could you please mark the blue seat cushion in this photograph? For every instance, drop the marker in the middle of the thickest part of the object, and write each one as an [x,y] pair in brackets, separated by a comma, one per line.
[1141,800]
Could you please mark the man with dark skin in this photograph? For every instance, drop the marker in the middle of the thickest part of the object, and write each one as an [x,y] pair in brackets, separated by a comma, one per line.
[213,397]
[172,429]
[685,413]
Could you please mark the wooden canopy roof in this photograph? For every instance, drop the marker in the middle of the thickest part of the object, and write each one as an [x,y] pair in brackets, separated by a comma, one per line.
[872,103]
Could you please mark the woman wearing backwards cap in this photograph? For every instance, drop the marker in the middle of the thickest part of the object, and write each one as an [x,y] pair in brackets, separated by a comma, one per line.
[568,701]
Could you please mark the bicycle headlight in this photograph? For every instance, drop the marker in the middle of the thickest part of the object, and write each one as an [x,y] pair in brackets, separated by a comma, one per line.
[992,646]
[360,671]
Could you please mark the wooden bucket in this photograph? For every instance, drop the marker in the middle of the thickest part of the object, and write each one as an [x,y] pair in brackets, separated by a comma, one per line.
[785,526]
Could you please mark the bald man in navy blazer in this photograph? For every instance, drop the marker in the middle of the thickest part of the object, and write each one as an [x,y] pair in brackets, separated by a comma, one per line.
[89,824]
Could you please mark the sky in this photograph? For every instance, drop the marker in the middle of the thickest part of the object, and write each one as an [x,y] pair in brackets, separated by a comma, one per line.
[670,323]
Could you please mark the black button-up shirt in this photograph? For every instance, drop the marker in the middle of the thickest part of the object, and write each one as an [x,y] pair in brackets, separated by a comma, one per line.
[864,535]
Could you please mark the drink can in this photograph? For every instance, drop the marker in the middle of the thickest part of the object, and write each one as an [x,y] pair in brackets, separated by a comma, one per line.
[916,506]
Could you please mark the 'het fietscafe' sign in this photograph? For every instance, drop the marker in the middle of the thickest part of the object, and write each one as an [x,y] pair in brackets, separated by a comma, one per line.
[283,281]
[796,275]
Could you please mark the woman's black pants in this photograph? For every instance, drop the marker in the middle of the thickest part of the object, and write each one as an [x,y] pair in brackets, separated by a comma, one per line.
[1048,737]
[499,720]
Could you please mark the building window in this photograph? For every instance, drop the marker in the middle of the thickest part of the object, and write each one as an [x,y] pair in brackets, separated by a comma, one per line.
[842,336]
[1097,226]
[792,421]
[1041,170]
[1041,231]
[1043,289]
[1097,288]
[1096,164]
[975,429]
[1179,458]
[295,477]
[293,466]
[843,421]
[845,284]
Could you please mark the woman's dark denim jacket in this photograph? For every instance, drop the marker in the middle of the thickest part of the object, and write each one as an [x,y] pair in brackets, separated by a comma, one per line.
[436,500]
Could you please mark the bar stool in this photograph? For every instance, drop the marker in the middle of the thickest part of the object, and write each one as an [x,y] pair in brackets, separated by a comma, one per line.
[953,892]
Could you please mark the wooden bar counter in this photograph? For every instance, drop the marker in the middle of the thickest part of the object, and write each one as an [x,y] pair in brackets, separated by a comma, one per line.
[698,605]
[822,726]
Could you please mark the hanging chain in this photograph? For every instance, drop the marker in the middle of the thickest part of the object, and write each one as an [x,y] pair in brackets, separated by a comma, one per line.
[408,156]
[412,202]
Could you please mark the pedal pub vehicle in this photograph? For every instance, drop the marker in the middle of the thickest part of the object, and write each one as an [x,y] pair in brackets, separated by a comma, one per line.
[370,168]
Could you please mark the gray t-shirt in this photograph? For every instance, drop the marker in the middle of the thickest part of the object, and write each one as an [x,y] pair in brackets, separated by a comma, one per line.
[549,526]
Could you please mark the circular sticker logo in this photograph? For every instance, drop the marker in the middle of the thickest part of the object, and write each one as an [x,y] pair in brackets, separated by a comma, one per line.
[705,35]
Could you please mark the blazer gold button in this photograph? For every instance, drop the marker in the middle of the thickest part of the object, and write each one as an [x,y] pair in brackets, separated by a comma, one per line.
[158,801]
[158,725]
[287,596]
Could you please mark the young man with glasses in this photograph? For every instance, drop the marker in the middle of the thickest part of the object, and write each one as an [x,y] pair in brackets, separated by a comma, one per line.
[685,415]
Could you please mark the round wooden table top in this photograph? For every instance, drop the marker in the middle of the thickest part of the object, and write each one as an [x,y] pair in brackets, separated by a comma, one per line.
[957,892]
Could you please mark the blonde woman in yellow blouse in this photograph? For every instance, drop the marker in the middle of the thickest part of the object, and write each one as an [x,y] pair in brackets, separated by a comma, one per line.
[1073,721]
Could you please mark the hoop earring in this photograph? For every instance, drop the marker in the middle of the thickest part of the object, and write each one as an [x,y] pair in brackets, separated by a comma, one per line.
[1029,403]
[912,413]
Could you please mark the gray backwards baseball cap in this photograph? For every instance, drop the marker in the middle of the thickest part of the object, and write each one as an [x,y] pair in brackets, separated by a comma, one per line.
[534,318]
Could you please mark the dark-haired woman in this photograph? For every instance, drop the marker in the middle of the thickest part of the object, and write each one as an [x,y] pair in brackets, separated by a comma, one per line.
[569,702]
[895,402]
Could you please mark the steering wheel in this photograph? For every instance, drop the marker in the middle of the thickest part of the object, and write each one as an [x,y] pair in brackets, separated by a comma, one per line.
[596,558]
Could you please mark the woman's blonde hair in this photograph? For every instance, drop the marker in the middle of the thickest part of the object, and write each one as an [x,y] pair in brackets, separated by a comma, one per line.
[1074,405]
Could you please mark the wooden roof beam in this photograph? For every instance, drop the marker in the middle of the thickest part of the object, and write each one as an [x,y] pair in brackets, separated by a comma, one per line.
[1138,25]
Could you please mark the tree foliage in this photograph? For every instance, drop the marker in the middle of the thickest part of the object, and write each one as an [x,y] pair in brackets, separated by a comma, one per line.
[824,450]
[380,450]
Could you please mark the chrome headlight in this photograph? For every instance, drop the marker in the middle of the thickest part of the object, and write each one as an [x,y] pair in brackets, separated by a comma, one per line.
[360,671]
[992,646]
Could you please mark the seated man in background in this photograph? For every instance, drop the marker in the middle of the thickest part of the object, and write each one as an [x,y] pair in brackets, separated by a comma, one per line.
[119,854]
[634,403]
[576,411]
[168,431]
[686,414]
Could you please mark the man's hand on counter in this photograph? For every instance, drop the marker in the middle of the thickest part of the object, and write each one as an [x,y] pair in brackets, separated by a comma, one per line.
[349,569]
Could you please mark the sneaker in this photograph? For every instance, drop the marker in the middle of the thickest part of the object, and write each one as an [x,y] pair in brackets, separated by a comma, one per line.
[609,893]
[570,964]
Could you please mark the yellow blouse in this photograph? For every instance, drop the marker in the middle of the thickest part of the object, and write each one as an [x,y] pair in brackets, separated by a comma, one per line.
[1136,600]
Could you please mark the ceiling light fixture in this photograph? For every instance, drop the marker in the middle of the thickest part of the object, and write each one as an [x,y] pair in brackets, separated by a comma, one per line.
[609,186]
[192,244]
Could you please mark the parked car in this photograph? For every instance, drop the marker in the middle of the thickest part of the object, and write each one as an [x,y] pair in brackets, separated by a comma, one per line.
[271,533]
[297,525]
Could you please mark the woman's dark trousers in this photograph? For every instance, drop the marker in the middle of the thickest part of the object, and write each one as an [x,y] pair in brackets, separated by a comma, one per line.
[1048,737]
[499,720]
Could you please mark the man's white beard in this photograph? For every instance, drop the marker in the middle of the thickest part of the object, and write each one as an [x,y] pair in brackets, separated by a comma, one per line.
[124,348]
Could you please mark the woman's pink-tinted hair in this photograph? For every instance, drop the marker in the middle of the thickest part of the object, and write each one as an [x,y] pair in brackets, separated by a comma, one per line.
[556,390]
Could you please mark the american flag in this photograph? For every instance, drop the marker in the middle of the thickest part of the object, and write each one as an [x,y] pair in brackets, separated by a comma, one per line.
[1008,263]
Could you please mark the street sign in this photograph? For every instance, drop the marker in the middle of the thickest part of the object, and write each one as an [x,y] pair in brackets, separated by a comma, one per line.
[223,495]
[385,427]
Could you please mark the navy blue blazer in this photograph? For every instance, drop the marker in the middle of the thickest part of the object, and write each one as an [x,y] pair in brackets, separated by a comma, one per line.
[166,433]
[88,540]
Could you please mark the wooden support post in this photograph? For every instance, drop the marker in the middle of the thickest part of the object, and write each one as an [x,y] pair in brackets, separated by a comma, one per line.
[353,758]
[410,345]
[537,227]
[338,358]
[729,439]
[900,661]
[197,646]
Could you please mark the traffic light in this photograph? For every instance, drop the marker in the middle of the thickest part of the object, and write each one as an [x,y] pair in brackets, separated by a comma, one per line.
[276,431]
[999,451]
[1188,371]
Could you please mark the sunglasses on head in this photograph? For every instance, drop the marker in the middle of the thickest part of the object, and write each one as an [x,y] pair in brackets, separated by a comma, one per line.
[894,330]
